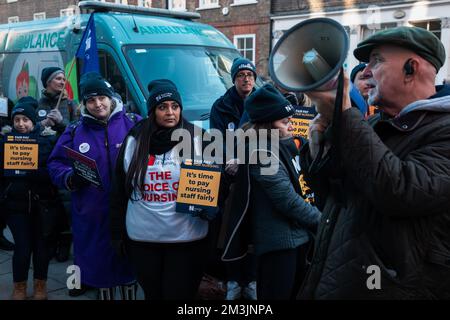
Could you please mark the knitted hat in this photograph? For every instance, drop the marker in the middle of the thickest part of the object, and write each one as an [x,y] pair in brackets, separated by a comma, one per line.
[26,106]
[92,84]
[162,90]
[242,64]
[355,71]
[267,104]
[48,74]
[419,40]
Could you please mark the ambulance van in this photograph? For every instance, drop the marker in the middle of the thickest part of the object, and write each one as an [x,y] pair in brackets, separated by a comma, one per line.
[135,45]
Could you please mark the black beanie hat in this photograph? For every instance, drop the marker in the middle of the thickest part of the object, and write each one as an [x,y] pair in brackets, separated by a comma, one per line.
[162,90]
[92,84]
[355,71]
[49,73]
[242,64]
[267,104]
[26,106]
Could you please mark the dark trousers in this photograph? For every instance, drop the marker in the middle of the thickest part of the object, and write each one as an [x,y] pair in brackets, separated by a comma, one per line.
[29,241]
[2,223]
[169,271]
[280,273]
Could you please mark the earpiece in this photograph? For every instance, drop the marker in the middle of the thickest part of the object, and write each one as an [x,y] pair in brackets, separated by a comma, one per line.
[409,69]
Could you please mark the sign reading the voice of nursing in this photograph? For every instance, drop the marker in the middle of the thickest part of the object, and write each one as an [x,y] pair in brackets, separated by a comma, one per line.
[198,189]
[85,167]
[21,155]
[300,120]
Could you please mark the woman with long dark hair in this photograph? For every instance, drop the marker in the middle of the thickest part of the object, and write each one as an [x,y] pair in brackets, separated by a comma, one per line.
[168,249]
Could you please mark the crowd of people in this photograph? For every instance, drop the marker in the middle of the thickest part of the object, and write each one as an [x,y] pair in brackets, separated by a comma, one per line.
[381,184]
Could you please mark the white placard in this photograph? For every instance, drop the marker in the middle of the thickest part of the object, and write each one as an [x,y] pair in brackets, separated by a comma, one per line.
[3,107]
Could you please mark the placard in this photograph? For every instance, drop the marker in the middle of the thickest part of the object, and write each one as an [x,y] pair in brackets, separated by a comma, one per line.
[3,107]
[198,190]
[21,154]
[301,119]
[85,167]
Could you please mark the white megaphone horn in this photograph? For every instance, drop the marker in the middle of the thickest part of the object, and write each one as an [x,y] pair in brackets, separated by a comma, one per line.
[309,56]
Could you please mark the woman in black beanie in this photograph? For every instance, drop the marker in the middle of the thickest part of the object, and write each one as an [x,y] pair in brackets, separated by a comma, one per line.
[167,248]
[268,214]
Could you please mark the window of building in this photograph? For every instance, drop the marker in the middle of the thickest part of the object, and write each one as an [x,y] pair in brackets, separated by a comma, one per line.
[367,32]
[208,4]
[245,43]
[434,26]
[14,19]
[179,5]
[68,12]
[39,16]
[242,2]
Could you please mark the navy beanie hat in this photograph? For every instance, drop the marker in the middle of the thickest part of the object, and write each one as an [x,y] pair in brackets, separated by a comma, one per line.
[267,104]
[355,70]
[26,106]
[162,90]
[92,84]
[49,73]
[242,64]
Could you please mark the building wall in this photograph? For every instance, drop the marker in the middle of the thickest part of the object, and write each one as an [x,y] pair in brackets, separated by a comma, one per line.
[240,20]
[358,19]
[252,18]
[25,9]
[304,6]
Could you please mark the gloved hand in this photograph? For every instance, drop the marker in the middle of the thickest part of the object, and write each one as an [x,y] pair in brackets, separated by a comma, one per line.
[56,116]
[119,247]
[75,182]
[232,167]
[47,122]
[205,214]
[6,129]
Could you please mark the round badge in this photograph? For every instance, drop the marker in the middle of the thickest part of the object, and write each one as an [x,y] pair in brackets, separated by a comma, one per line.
[42,113]
[231,126]
[84,147]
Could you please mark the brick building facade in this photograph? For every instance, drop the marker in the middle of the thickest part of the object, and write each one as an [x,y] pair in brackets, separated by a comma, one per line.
[245,22]
[362,18]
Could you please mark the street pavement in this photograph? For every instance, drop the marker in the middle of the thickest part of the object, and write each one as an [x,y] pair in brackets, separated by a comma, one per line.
[56,282]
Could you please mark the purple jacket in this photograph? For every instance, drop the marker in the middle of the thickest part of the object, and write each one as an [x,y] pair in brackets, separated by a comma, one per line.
[99,265]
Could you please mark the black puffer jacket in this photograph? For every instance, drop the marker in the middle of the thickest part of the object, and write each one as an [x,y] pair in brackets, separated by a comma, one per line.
[397,212]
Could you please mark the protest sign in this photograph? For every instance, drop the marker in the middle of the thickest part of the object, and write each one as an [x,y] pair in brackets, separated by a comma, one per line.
[21,154]
[85,167]
[300,120]
[198,190]
[3,107]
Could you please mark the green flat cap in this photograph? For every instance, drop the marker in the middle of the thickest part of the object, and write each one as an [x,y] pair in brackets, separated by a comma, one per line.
[422,42]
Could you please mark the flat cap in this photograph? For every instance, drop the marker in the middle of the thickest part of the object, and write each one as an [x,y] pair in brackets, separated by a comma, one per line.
[422,42]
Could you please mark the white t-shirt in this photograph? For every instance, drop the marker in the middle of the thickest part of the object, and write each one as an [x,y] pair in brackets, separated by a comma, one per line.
[153,218]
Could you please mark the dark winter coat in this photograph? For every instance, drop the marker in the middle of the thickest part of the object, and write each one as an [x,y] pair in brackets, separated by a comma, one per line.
[227,111]
[396,214]
[267,211]
[67,108]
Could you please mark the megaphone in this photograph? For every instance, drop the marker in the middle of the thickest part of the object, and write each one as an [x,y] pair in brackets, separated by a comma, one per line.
[309,56]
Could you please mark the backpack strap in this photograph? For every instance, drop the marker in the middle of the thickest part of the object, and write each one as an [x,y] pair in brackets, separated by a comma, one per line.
[73,128]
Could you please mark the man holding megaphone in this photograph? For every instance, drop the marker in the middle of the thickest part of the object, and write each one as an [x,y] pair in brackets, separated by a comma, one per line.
[385,227]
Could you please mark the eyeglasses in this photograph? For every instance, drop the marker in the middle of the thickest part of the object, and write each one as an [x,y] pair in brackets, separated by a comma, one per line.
[245,75]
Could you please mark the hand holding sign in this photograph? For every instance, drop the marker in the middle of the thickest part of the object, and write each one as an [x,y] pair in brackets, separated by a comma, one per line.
[198,190]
